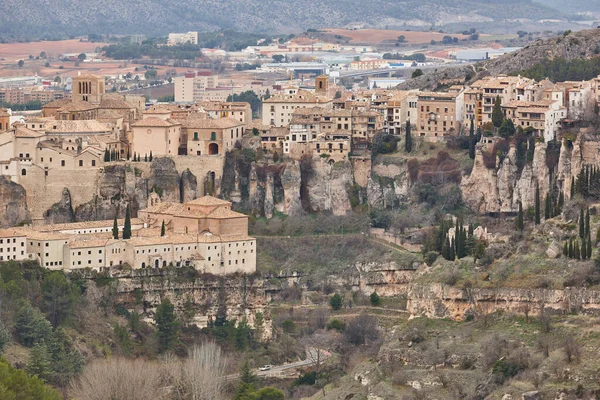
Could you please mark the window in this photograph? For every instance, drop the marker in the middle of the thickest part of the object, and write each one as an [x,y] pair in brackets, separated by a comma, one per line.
[62,163]
[93,163]
[81,163]
[196,136]
[213,136]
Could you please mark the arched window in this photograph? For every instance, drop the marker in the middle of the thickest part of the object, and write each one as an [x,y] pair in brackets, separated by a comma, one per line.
[143,265]
[23,172]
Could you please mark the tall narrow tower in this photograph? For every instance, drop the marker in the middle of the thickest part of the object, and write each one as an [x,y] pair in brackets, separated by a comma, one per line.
[322,85]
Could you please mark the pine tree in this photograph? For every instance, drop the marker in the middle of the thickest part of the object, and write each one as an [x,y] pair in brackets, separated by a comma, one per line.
[39,363]
[407,138]
[115,231]
[150,159]
[537,204]
[548,207]
[581,224]
[576,252]
[497,114]
[520,218]
[566,249]
[127,225]
[167,326]
[162,229]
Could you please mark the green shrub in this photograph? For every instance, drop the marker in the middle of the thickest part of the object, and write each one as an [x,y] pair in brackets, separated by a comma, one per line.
[336,324]
[336,301]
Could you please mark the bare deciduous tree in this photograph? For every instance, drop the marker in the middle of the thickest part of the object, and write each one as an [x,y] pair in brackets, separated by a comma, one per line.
[201,376]
[571,348]
[119,378]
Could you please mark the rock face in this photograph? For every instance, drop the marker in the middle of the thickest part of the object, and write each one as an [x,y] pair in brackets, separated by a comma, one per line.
[61,212]
[328,186]
[14,203]
[499,189]
[441,301]
[231,297]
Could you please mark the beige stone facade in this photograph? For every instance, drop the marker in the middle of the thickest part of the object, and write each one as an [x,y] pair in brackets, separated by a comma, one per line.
[203,233]
[88,88]
[157,136]
[207,136]
[279,108]
[437,115]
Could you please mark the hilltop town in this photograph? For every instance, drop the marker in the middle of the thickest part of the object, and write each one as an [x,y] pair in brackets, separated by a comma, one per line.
[409,218]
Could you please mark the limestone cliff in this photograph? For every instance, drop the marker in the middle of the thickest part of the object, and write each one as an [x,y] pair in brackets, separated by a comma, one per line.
[206,297]
[263,187]
[499,187]
[14,208]
[441,301]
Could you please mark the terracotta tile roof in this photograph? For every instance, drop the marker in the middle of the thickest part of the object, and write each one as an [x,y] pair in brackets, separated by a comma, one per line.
[5,233]
[209,201]
[57,103]
[156,122]
[77,126]
[165,208]
[22,131]
[4,112]
[114,102]
[92,242]
[77,105]
[210,123]
[84,225]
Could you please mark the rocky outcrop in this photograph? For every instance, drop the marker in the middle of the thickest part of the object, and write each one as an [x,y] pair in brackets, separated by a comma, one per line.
[61,212]
[14,203]
[500,189]
[231,297]
[164,179]
[440,301]
[189,184]
[388,184]
[327,186]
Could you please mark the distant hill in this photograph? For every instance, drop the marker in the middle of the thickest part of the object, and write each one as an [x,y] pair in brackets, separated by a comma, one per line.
[53,18]
[576,46]
[572,6]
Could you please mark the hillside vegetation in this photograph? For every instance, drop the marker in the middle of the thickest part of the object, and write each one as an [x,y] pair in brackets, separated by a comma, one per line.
[75,17]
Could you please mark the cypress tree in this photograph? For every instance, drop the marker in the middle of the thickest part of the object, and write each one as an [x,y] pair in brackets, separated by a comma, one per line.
[576,252]
[588,248]
[150,155]
[127,225]
[134,157]
[497,114]
[407,138]
[128,155]
[471,230]
[162,228]
[598,234]
[472,141]
[566,249]
[537,204]
[115,231]
[570,248]
[145,157]
[446,248]
[583,249]
[106,155]
[572,187]
[452,252]
[581,224]
[548,207]
[587,222]
[520,218]
[561,202]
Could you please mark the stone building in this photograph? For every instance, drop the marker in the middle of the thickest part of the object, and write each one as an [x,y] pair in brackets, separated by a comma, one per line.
[88,88]
[203,233]
[437,115]
[207,136]
[157,136]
